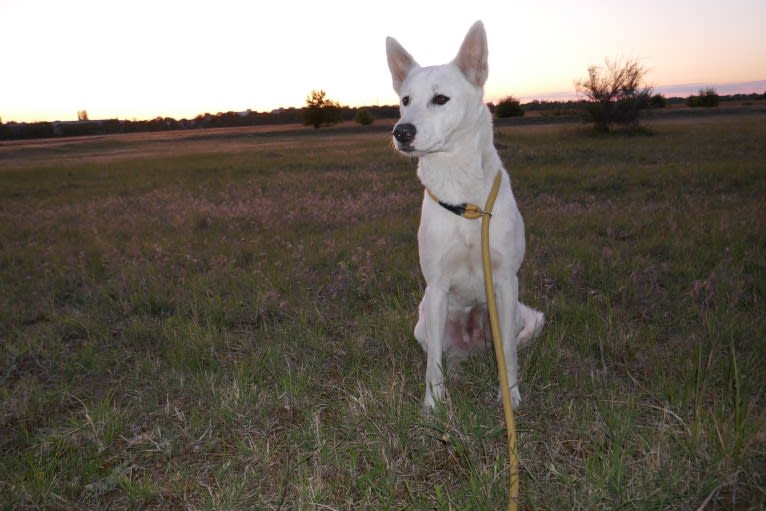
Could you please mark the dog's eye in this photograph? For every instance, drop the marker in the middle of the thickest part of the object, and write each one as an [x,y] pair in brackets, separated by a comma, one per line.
[440,99]
[406,100]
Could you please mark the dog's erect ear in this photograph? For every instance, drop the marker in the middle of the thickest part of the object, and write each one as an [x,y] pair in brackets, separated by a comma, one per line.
[399,62]
[473,54]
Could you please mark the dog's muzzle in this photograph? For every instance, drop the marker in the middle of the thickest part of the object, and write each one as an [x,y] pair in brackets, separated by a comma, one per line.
[404,135]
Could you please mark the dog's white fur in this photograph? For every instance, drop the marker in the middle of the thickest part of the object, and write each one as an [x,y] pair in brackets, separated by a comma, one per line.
[458,162]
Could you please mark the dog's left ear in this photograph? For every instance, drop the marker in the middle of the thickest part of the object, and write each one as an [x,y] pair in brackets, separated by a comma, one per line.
[473,54]
[399,62]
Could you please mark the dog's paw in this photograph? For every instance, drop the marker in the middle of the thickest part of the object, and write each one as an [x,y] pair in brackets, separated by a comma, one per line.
[515,397]
[429,406]
[435,396]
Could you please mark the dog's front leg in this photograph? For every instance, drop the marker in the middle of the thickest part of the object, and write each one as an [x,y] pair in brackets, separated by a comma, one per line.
[435,310]
[507,296]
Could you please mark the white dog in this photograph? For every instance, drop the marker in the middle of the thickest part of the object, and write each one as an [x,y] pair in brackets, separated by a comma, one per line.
[445,123]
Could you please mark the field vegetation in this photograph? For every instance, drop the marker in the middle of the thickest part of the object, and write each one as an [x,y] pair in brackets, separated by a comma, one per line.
[223,320]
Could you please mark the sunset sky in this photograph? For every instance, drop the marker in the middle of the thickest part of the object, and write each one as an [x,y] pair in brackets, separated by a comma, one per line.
[143,59]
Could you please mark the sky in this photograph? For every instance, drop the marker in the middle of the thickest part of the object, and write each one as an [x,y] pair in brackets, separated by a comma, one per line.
[142,59]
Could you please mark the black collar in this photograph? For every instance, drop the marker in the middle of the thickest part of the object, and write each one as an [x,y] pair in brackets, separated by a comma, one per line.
[464,209]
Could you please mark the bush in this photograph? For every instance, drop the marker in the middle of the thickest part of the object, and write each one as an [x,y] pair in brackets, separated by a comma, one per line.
[508,107]
[707,98]
[364,117]
[615,93]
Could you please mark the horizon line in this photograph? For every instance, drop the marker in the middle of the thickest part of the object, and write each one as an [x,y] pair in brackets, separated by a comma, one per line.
[676,90]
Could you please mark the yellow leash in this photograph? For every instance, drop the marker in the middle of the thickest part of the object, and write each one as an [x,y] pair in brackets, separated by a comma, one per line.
[497,341]
[471,211]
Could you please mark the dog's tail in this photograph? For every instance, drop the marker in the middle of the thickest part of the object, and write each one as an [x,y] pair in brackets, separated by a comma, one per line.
[532,321]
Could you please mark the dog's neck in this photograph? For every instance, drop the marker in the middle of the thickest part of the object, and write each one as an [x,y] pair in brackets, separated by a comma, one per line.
[464,174]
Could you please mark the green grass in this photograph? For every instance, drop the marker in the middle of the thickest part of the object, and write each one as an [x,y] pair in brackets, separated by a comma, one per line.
[225,322]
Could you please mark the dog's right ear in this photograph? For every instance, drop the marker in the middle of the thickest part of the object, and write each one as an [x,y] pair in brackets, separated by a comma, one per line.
[399,62]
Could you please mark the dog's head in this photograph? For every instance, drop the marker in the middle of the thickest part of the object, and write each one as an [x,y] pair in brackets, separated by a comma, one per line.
[438,103]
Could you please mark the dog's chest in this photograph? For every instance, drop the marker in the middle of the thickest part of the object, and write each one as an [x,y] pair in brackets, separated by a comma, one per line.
[451,257]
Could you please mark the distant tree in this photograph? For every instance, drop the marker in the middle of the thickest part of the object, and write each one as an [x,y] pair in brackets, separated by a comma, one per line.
[706,98]
[658,101]
[615,93]
[364,117]
[508,107]
[320,111]
[82,115]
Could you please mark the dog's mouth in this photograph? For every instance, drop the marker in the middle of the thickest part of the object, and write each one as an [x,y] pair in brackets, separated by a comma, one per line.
[409,149]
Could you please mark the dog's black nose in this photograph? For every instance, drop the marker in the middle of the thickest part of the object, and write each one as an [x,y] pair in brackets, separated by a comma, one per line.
[405,133]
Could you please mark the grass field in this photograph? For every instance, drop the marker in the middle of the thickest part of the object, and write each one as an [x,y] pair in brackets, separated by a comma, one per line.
[223,320]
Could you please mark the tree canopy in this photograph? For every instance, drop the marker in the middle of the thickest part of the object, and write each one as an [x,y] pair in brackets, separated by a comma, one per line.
[321,111]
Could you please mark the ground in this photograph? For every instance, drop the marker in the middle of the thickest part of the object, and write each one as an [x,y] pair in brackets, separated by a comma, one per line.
[223,319]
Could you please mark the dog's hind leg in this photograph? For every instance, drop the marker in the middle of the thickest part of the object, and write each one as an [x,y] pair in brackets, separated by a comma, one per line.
[532,322]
